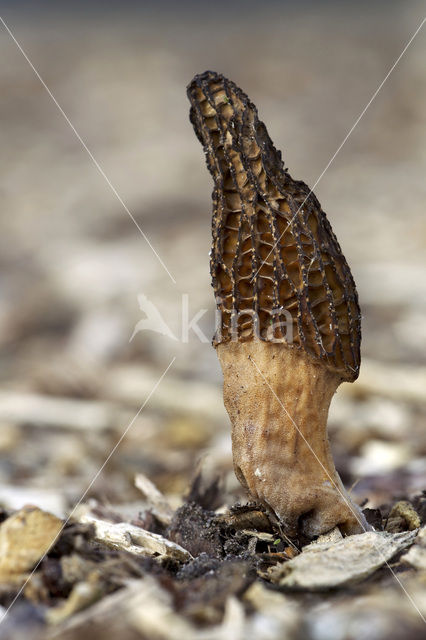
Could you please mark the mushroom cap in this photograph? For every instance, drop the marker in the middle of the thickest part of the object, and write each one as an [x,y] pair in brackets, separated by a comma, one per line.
[277,269]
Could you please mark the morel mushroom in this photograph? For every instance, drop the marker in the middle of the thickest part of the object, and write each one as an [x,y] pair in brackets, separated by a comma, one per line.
[289,330]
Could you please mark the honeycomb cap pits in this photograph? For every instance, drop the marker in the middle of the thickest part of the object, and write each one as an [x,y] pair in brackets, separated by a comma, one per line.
[275,260]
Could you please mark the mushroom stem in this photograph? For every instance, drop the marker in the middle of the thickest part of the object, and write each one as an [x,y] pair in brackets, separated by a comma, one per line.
[278,403]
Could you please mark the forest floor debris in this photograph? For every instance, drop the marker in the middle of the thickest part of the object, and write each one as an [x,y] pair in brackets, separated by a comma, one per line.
[201,573]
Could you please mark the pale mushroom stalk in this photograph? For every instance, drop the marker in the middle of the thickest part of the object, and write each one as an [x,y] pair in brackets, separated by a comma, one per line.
[289,330]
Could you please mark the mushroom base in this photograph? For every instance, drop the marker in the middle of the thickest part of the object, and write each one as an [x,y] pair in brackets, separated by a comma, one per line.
[279,436]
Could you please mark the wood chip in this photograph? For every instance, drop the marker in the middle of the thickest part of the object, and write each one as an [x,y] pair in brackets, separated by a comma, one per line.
[83,594]
[327,538]
[275,615]
[399,383]
[155,617]
[39,410]
[259,535]
[130,383]
[157,502]
[25,537]
[416,556]
[142,605]
[245,517]
[17,496]
[331,565]
[140,542]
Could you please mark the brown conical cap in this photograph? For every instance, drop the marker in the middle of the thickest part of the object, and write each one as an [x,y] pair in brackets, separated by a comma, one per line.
[277,269]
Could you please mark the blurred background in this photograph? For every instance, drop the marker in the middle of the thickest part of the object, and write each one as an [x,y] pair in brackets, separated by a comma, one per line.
[73,262]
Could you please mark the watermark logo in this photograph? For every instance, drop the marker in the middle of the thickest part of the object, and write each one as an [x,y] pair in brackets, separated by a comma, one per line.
[280,322]
[153,321]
